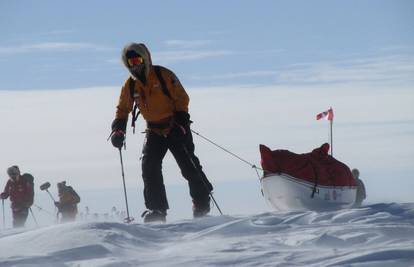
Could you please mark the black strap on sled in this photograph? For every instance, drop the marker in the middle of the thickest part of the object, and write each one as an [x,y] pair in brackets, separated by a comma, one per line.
[164,89]
[315,186]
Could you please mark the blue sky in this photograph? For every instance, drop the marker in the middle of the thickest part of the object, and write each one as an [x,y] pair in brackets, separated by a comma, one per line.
[72,44]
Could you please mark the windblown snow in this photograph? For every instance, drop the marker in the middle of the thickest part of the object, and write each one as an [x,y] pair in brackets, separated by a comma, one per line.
[374,235]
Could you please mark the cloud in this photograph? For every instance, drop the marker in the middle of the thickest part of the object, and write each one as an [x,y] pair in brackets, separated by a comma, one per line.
[397,48]
[187,50]
[397,68]
[187,44]
[371,70]
[247,74]
[53,33]
[236,118]
[187,55]
[192,54]
[50,47]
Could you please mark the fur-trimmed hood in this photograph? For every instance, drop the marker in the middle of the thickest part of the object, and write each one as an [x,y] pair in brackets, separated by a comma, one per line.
[141,50]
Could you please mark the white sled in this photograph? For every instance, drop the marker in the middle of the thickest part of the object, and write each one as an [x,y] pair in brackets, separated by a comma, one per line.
[288,193]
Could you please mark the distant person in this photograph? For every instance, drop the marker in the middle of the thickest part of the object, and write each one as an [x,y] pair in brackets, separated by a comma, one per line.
[20,190]
[163,103]
[87,212]
[113,212]
[68,202]
[360,194]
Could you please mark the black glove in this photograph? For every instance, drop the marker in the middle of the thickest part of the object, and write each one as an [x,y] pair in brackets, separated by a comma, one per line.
[3,195]
[118,132]
[182,118]
[178,133]
[59,206]
[118,138]
[119,124]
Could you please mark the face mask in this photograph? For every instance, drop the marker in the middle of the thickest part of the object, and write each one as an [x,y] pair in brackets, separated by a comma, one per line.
[138,70]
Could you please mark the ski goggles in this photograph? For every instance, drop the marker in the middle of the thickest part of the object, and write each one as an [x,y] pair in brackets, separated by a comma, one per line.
[133,61]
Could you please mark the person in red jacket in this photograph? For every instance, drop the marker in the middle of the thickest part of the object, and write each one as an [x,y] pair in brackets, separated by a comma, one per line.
[20,190]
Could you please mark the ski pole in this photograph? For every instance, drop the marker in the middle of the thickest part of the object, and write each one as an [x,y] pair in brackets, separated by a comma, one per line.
[201,178]
[42,209]
[51,196]
[128,219]
[34,218]
[45,187]
[4,217]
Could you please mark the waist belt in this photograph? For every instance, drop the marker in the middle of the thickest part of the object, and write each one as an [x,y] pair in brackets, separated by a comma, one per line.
[156,125]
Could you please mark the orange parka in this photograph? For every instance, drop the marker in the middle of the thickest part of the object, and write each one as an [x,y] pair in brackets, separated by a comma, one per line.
[154,105]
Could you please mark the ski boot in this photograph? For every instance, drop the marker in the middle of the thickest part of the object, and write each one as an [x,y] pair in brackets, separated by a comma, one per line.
[201,209]
[154,216]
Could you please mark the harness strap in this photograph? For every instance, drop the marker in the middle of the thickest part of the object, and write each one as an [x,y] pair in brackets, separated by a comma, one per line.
[164,89]
[134,113]
[153,125]
[162,81]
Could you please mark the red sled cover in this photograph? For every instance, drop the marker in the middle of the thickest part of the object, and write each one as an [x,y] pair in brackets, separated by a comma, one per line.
[316,167]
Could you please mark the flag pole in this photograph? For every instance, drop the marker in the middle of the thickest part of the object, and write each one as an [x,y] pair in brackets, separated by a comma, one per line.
[331,122]
[329,115]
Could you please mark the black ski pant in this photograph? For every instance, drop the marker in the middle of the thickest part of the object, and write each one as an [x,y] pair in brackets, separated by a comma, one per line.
[20,217]
[182,147]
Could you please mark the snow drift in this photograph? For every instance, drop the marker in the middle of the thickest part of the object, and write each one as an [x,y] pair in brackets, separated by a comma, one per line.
[375,235]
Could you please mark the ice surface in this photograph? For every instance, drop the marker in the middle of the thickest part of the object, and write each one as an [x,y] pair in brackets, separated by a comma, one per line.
[374,235]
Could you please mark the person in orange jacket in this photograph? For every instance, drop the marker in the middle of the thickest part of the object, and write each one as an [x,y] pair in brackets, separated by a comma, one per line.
[68,202]
[163,103]
[20,190]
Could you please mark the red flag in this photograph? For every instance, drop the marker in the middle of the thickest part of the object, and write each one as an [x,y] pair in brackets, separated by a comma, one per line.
[327,115]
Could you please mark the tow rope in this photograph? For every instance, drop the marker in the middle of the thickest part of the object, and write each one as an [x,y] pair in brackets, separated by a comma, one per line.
[231,153]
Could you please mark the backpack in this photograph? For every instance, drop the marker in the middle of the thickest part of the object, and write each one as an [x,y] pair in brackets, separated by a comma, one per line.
[75,195]
[164,89]
[30,179]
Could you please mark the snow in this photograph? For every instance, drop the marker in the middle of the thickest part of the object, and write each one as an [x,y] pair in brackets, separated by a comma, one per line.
[374,235]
